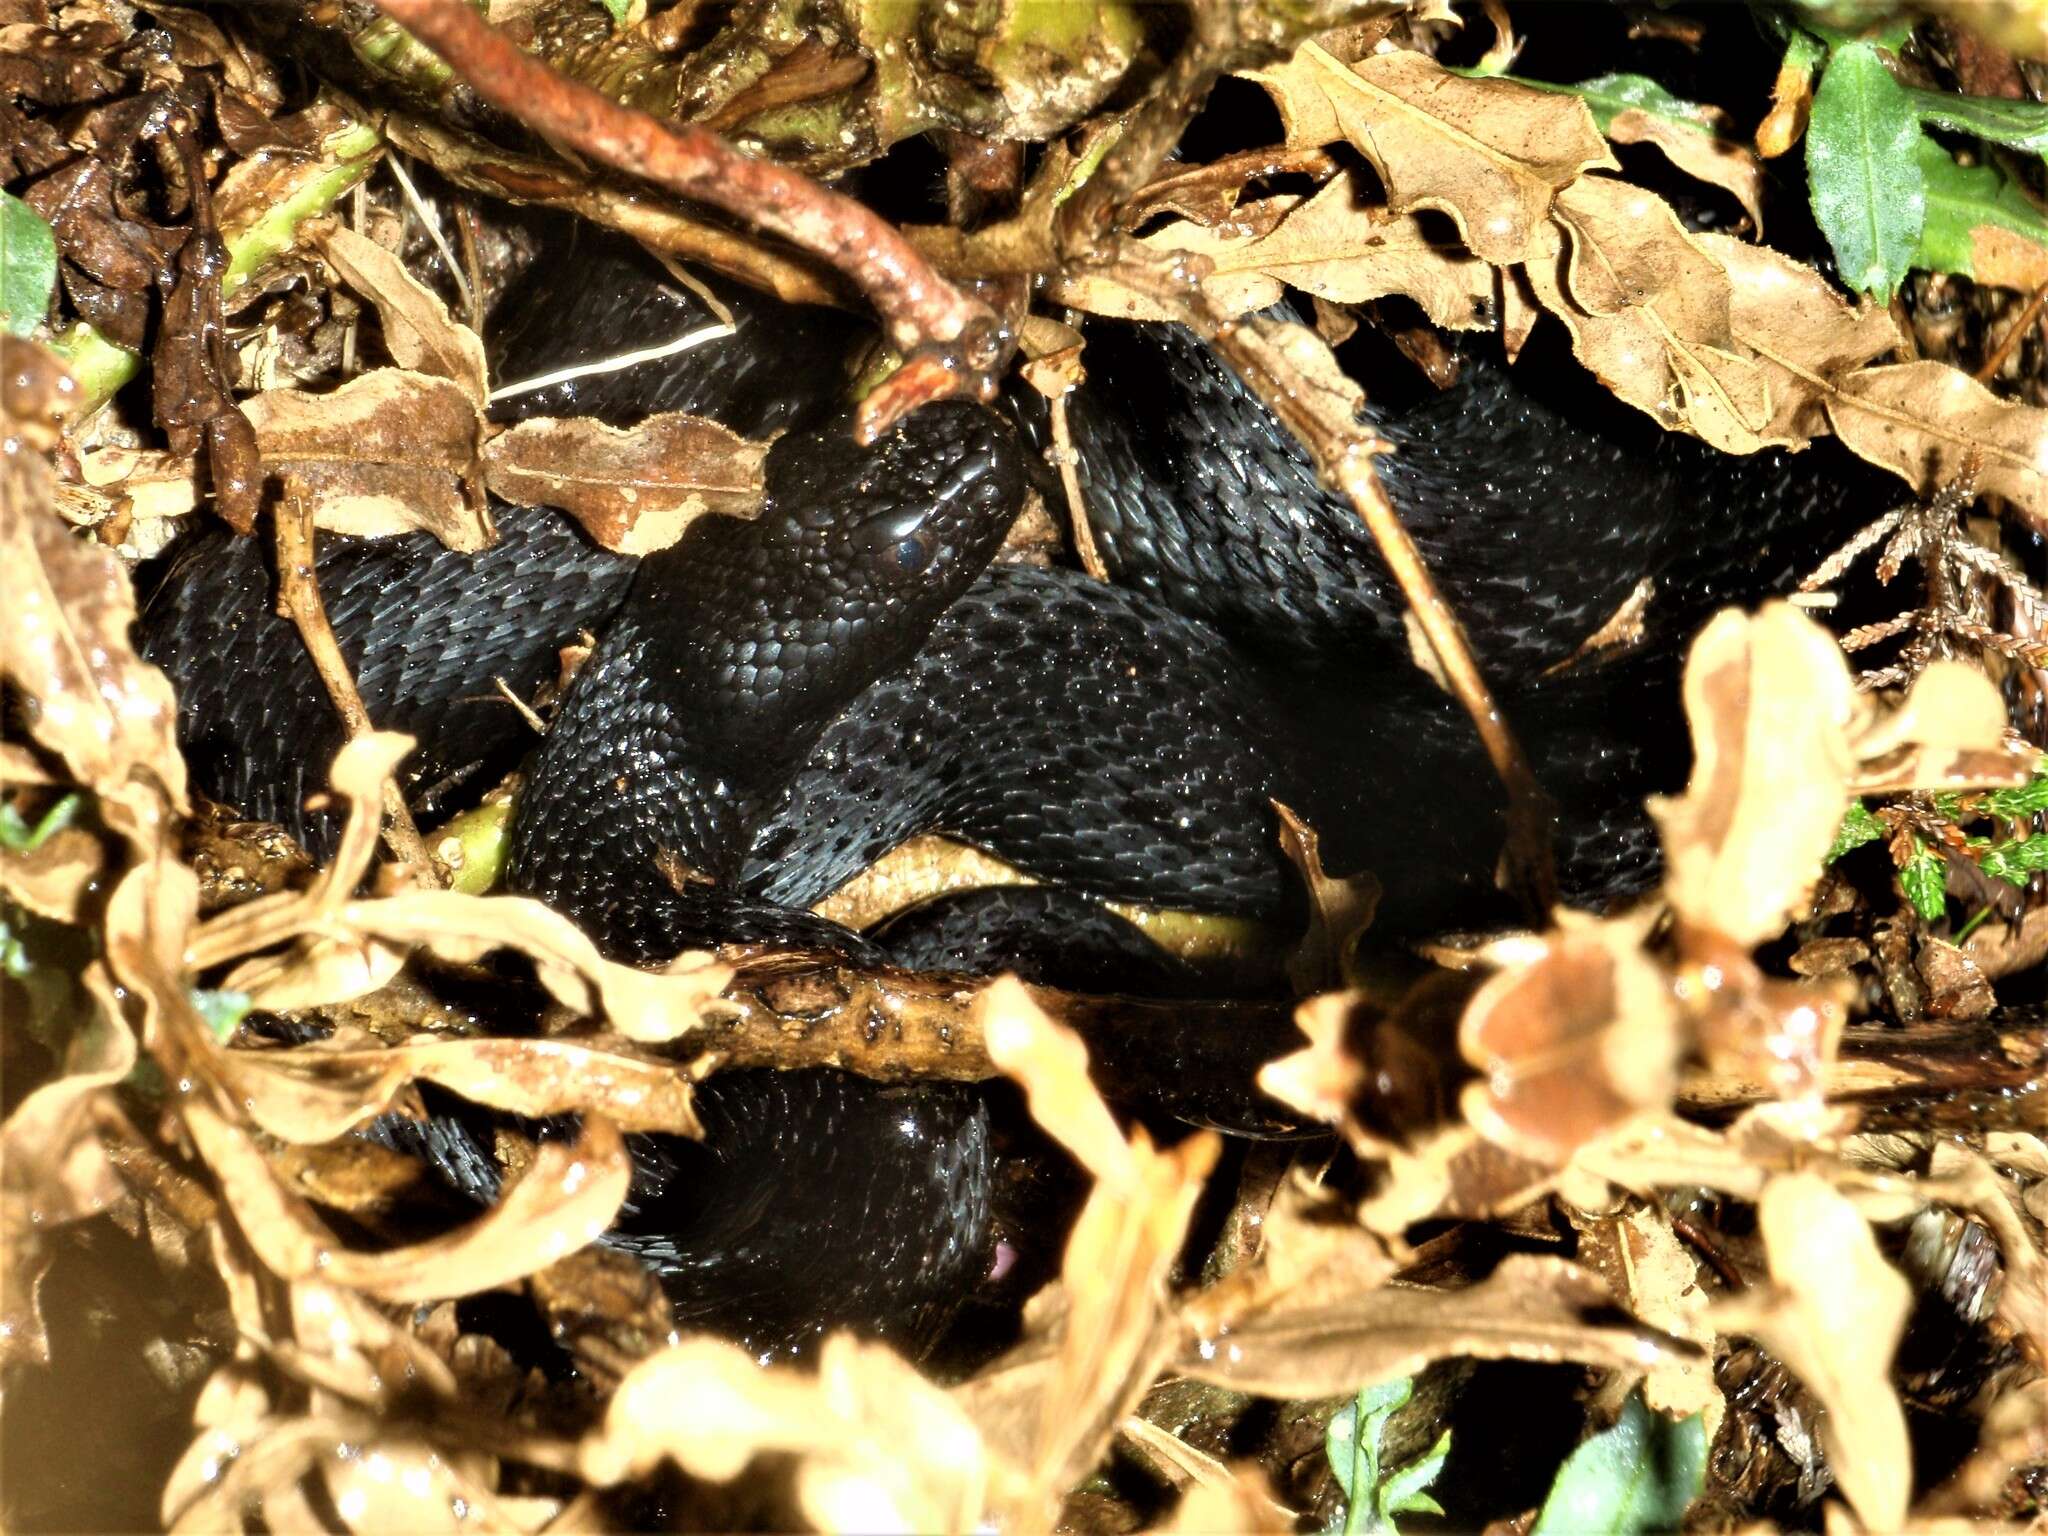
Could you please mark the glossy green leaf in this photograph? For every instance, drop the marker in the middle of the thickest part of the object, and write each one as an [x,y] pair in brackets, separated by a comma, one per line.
[2020,124]
[1864,170]
[28,266]
[1638,1476]
[1961,198]
[1371,1499]
[1858,827]
[1925,882]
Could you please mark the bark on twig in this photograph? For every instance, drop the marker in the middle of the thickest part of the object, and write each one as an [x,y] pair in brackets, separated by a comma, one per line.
[298,599]
[920,308]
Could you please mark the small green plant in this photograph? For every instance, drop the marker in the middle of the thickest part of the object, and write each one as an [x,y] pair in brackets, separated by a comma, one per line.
[28,266]
[1921,832]
[1373,1495]
[1635,1477]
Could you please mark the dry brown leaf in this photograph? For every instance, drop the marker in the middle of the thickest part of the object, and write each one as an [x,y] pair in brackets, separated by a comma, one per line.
[1216,1496]
[1339,910]
[64,643]
[1320,1079]
[385,453]
[1340,250]
[1949,732]
[1770,703]
[1313,1250]
[312,1094]
[567,1196]
[1642,1260]
[53,879]
[1834,1316]
[1800,328]
[879,1447]
[154,483]
[1530,1308]
[1706,157]
[2001,258]
[1051,1064]
[1578,1032]
[1922,420]
[634,491]
[419,333]
[1117,1331]
[1491,153]
[1649,312]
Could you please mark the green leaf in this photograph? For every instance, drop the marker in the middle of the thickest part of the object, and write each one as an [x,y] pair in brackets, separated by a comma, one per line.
[2021,124]
[1638,1476]
[17,836]
[222,1011]
[1925,882]
[28,266]
[2018,861]
[2023,800]
[1862,164]
[617,9]
[1960,198]
[1858,827]
[1401,1493]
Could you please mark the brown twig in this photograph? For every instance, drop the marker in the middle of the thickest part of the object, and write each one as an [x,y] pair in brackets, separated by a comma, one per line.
[298,599]
[1293,371]
[919,308]
[1197,1060]
[2027,316]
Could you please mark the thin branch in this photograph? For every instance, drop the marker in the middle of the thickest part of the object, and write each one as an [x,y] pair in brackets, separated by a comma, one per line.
[298,599]
[920,308]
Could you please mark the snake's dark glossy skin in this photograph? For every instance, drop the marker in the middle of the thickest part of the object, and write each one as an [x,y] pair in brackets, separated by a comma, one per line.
[774,703]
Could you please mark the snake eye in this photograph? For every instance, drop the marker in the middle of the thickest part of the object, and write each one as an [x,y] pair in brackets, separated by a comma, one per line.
[912,554]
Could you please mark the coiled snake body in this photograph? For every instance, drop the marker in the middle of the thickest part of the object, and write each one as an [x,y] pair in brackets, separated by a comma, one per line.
[774,703]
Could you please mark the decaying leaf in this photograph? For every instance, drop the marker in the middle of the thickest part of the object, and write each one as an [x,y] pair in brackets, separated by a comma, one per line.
[1529,1308]
[384,453]
[635,491]
[1708,157]
[1834,1316]
[1491,153]
[1920,420]
[418,331]
[1577,1033]
[1642,1259]
[1770,703]
[64,643]
[1051,1064]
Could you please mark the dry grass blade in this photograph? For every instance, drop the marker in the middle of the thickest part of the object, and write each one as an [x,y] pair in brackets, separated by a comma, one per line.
[1530,1308]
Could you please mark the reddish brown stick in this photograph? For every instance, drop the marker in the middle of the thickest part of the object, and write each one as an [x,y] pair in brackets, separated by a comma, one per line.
[919,307]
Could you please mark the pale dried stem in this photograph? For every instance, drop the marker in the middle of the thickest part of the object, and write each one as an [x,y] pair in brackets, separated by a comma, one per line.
[298,599]
[1077,502]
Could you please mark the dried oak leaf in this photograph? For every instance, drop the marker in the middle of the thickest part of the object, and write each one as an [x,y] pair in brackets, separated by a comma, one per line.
[1921,420]
[1800,329]
[1704,156]
[1648,311]
[1529,1308]
[1491,153]
[1770,704]
[634,491]
[385,453]
[64,643]
[1834,1315]
[1577,1033]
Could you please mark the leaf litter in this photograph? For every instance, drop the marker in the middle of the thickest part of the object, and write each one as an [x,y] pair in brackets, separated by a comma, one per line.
[1591,1041]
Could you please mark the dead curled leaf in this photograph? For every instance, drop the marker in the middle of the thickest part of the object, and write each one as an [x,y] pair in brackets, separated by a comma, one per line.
[637,490]
[312,1094]
[419,333]
[1529,1308]
[878,1447]
[1491,153]
[384,453]
[64,643]
[1705,156]
[564,1199]
[1834,1315]
[1920,420]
